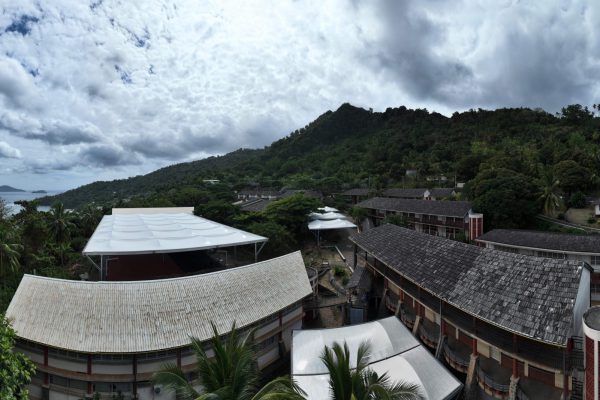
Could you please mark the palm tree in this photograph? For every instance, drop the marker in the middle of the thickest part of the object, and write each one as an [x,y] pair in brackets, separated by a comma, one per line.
[9,252]
[231,374]
[550,194]
[60,223]
[362,383]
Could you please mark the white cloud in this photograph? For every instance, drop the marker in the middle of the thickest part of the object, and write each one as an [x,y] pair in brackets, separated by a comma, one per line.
[136,85]
[7,151]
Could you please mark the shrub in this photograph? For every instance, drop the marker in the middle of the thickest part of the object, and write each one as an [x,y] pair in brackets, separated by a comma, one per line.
[338,270]
[577,200]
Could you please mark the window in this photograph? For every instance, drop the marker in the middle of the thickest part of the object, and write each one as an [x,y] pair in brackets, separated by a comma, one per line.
[550,254]
[595,261]
[507,249]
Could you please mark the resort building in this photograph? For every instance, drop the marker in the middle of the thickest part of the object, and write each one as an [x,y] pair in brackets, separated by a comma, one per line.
[150,243]
[511,323]
[111,337]
[451,219]
[356,195]
[394,350]
[422,193]
[550,245]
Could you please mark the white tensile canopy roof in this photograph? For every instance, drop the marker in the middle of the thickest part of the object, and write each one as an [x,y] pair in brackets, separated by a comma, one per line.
[158,230]
[319,225]
[328,209]
[393,350]
[326,216]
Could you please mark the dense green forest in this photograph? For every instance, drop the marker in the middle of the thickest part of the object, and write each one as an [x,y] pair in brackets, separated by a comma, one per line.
[355,147]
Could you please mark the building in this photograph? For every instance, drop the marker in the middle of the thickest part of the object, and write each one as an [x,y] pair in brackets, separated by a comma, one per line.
[255,205]
[357,195]
[451,219]
[258,193]
[591,329]
[510,322]
[420,193]
[147,243]
[394,350]
[111,337]
[550,245]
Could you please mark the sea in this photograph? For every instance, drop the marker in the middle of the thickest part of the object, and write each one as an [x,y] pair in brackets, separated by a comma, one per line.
[11,197]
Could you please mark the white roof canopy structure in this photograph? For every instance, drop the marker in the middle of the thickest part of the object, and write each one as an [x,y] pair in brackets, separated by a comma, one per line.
[326,216]
[328,209]
[393,350]
[319,225]
[156,230]
[145,316]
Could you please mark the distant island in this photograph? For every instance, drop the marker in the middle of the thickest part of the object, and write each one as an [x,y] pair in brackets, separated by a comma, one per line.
[6,188]
[39,191]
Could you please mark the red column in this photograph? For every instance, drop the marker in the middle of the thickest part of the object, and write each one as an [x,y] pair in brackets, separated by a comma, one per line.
[178,358]
[474,346]
[444,328]
[89,372]
[515,369]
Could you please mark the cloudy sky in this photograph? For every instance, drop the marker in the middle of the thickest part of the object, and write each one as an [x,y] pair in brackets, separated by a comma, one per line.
[107,89]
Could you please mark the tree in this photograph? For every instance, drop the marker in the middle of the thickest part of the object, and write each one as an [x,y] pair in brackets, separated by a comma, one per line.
[358,214]
[507,198]
[217,210]
[9,251]
[280,240]
[360,382]
[231,374]
[577,200]
[60,223]
[550,194]
[292,212]
[572,176]
[15,369]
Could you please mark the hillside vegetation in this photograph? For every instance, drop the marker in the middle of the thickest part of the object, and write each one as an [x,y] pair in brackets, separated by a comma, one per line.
[352,146]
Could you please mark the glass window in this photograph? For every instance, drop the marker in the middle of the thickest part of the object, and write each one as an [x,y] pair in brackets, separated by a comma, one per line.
[595,260]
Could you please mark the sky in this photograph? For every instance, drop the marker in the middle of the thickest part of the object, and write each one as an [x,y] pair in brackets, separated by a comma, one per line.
[100,89]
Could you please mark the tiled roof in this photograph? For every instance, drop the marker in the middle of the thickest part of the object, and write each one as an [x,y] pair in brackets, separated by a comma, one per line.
[533,297]
[444,208]
[356,192]
[143,316]
[405,193]
[360,278]
[441,192]
[544,240]
[255,205]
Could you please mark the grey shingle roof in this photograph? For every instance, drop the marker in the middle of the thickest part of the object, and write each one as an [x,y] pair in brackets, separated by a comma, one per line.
[444,208]
[405,193]
[255,205]
[533,297]
[360,278]
[544,240]
[356,192]
[142,316]
[441,192]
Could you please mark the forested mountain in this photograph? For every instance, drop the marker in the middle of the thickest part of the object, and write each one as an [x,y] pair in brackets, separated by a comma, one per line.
[352,146]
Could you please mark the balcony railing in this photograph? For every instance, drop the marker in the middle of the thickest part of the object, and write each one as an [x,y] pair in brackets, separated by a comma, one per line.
[427,336]
[455,358]
[407,317]
[520,395]
[489,382]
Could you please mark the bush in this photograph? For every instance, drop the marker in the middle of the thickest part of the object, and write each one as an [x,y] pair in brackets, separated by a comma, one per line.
[591,220]
[577,200]
[561,216]
[338,271]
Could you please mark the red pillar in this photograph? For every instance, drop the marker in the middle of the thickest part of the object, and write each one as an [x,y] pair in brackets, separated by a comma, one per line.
[178,358]
[89,373]
[474,346]
[444,328]
[515,369]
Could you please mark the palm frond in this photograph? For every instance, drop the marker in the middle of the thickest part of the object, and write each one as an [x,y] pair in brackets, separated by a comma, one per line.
[173,379]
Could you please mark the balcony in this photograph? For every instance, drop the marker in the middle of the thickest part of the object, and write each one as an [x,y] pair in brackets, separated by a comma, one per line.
[429,333]
[407,315]
[457,355]
[391,301]
[493,378]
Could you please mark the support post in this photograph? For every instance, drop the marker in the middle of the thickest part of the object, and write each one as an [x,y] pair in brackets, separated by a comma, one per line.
[90,388]
[134,376]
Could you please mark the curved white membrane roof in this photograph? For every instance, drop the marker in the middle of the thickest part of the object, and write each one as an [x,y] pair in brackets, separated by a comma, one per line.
[169,232]
[393,350]
[319,225]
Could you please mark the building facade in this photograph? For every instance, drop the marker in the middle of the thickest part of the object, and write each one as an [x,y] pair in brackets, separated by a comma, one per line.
[110,338]
[450,219]
[510,323]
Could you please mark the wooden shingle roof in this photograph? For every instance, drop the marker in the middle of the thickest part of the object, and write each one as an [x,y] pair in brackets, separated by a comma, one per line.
[443,208]
[144,316]
[553,241]
[533,297]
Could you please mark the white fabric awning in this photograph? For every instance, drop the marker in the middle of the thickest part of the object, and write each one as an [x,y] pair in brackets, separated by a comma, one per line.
[171,232]
[328,209]
[318,225]
[326,216]
[393,350]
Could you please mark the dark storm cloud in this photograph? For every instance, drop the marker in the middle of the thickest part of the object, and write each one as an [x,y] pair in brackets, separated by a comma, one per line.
[106,156]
